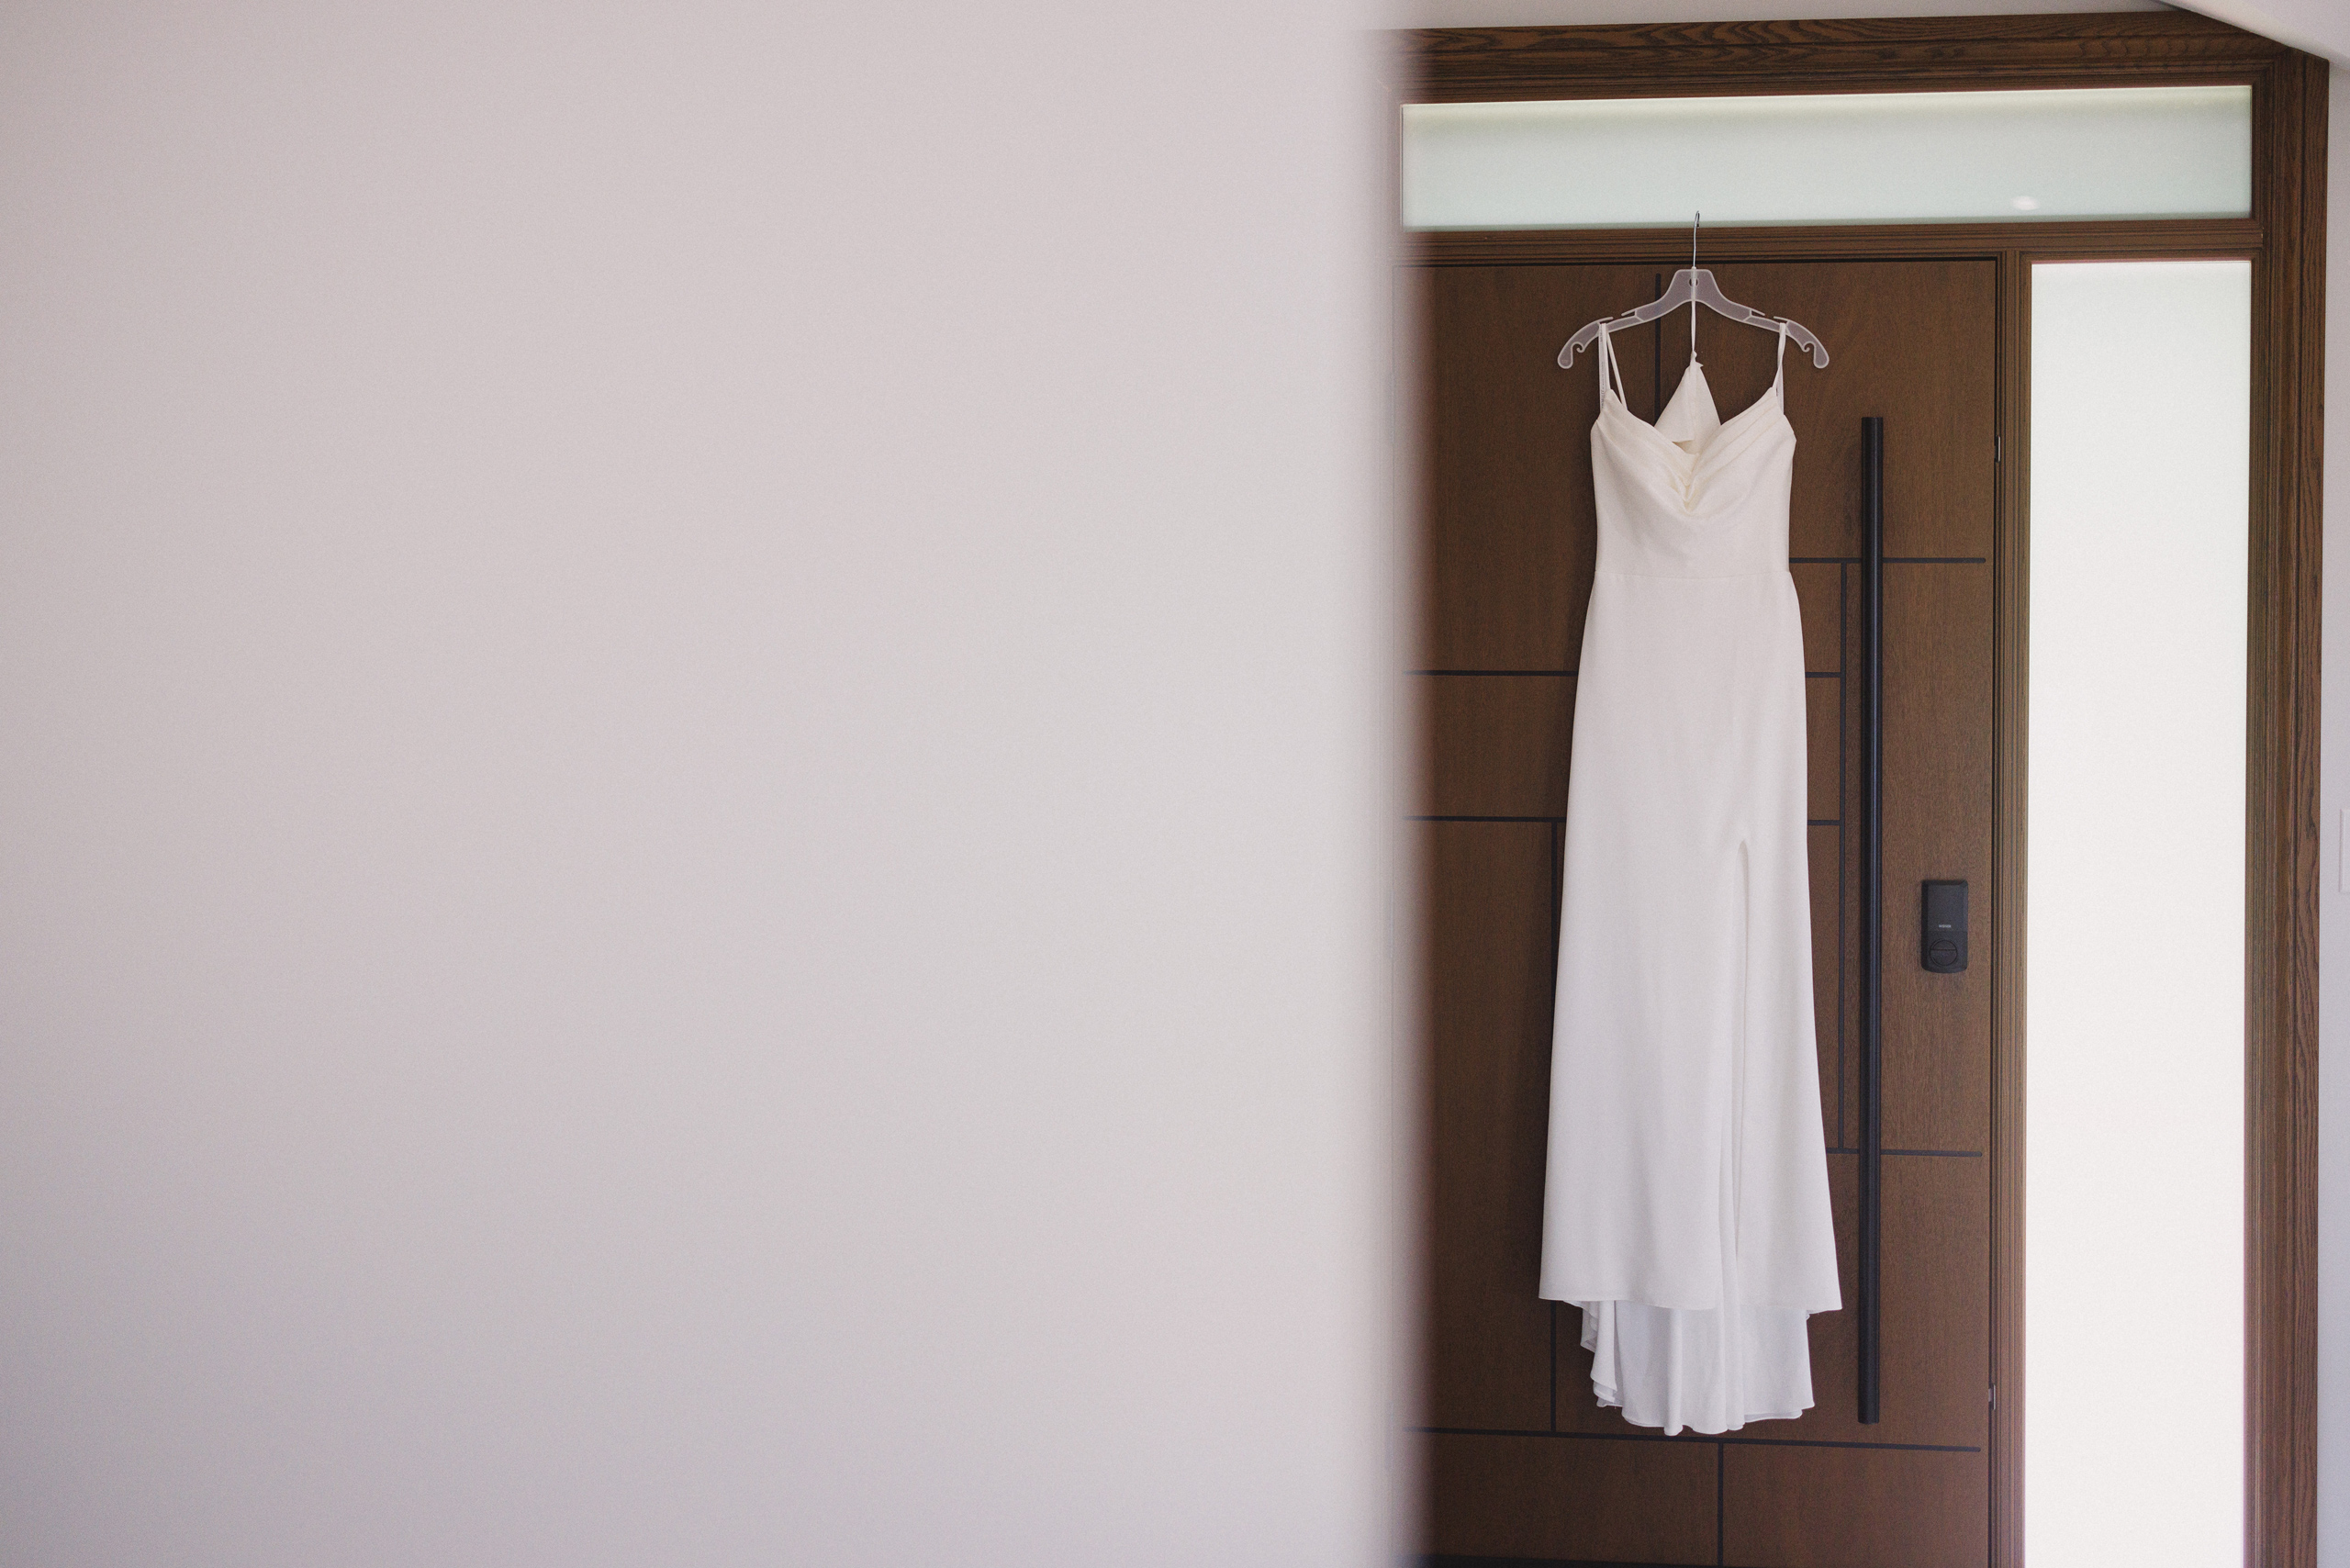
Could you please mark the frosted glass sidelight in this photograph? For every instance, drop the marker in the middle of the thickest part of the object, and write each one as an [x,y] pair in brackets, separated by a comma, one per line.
[2133,1187]
[1830,158]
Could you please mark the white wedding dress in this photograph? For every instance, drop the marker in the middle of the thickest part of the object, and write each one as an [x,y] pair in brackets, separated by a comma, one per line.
[1686,1205]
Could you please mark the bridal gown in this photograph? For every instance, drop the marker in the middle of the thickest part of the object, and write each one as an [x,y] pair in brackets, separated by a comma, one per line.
[1686,1208]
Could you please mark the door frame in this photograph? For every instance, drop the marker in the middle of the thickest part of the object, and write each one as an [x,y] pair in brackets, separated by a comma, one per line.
[2285,240]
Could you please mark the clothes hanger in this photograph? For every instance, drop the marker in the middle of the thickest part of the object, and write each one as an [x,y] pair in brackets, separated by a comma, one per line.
[1693,285]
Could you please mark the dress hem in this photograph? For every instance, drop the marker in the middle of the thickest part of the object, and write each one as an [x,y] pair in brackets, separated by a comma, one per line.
[1670,1431]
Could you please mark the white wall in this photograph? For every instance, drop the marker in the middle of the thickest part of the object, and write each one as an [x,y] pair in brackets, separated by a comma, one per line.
[691,757]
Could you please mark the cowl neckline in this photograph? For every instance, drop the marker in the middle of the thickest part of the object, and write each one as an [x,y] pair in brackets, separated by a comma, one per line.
[1690,427]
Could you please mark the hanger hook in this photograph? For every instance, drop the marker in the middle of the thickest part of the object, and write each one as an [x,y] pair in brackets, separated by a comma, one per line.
[1694,219]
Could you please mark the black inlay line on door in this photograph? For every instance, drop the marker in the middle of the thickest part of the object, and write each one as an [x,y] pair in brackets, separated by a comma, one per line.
[1689,1438]
[1931,1153]
[1812,822]
[1554,1364]
[1844,661]
[1721,1465]
[1558,912]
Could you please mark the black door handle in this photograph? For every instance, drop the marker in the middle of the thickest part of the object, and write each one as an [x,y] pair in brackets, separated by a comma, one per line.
[1871,1172]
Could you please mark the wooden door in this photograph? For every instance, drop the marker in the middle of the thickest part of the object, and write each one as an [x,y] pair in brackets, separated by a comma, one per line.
[1520,1463]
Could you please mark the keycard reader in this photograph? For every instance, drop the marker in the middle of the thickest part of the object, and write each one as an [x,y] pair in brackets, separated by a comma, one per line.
[1941,936]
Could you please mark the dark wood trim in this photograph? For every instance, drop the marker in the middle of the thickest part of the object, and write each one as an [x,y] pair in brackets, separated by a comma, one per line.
[1852,55]
[2011,721]
[1812,242]
[2286,238]
[2281,819]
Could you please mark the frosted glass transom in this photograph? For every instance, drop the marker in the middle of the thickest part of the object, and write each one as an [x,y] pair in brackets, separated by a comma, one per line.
[2102,152]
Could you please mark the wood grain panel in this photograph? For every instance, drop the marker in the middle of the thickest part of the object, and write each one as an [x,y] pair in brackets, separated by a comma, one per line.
[1790,1508]
[1820,588]
[1827,970]
[1854,699]
[1491,900]
[1509,529]
[1938,811]
[1824,737]
[1497,745]
[1937,1309]
[1560,1498]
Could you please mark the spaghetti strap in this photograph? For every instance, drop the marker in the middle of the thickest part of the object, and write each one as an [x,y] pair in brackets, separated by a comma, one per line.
[1779,381]
[1607,366]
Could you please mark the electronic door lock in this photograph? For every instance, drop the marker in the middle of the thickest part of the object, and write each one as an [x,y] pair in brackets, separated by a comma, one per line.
[1941,931]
